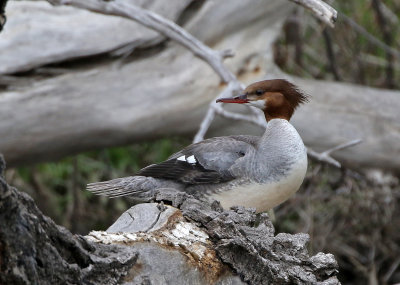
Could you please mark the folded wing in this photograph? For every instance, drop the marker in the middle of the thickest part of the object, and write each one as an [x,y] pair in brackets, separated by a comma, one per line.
[202,163]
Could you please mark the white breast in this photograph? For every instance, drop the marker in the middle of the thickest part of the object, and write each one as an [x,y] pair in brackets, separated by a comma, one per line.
[264,196]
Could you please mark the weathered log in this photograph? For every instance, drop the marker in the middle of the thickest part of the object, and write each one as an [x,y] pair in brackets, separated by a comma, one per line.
[168,93]
[189,242]
[34,250]
[38,33]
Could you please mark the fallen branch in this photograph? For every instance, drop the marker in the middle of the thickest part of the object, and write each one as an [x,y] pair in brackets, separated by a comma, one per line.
[160,24]
[180,35]
[233,88]
[321,10]
[326,155]
[213,58]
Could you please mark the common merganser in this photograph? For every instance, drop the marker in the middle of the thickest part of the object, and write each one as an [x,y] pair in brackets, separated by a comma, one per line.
[259,172]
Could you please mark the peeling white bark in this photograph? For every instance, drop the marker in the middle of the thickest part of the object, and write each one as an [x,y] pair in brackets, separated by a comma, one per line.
[182,235]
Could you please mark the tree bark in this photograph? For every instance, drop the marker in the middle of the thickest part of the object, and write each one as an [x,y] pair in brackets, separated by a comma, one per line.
[165,90]
[189,242]
[34,250]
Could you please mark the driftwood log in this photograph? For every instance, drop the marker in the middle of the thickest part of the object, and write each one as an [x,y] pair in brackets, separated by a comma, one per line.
[162,89]
[186,242]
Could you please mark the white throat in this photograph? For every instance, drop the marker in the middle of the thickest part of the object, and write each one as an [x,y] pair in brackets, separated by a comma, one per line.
[258,104]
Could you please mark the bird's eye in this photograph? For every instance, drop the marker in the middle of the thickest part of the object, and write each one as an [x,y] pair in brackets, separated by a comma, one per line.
[259,92]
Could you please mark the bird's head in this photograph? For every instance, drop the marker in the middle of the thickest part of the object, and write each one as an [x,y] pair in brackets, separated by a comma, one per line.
[278,98]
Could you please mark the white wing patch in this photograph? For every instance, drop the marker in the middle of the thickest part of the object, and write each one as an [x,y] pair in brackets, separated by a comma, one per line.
[181,158]
[191,159]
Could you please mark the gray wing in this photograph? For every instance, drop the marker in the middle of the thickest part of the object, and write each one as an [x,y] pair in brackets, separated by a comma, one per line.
[205,162]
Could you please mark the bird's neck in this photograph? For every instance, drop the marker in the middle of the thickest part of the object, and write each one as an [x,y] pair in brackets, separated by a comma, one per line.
[278,132]
[279,147]
[283,111]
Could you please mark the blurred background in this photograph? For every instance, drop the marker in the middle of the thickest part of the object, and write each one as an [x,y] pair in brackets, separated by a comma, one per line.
[352,212]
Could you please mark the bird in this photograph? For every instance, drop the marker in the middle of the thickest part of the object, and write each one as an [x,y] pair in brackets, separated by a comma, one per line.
[260,172]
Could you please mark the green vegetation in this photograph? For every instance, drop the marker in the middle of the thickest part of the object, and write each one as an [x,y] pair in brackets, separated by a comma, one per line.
[356,57]
[58,187]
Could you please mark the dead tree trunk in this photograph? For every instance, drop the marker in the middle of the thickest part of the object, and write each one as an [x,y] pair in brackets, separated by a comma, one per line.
[34,250]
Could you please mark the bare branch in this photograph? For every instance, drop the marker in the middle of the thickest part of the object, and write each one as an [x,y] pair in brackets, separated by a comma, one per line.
[389,14]
[323,157]
[233,87]
[392,269]
[343,146]
[212,57]
[330,54]
[159,24]
[205,125]
[322,11]
[326,155]
[180,35]
[242,117]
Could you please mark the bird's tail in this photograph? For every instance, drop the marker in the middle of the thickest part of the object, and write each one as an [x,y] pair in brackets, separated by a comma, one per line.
[139,187]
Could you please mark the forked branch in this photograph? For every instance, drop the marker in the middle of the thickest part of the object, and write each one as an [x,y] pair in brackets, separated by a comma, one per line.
[160,24]
[326,155]
[212,57]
